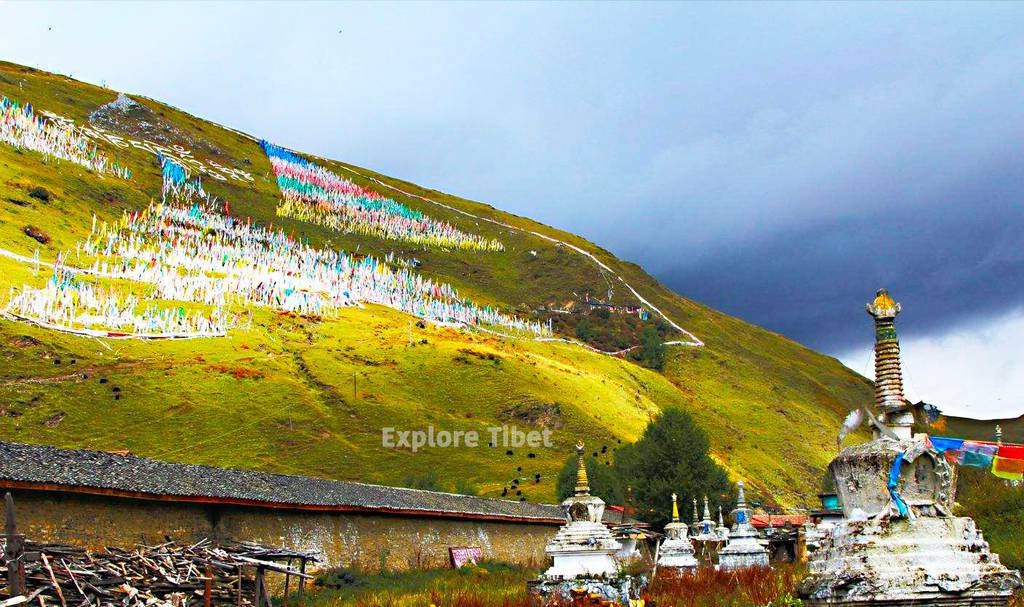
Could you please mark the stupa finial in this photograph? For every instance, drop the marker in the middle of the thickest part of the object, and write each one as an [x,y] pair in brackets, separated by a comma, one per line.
[888,373]
[741,497]
[721,521]
[707,513]
[999,434]
[582,484]
[675,509]
[695,519]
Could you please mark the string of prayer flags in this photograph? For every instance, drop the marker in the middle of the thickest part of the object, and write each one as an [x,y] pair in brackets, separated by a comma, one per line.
[1005,461]
[22,127]
[314,194]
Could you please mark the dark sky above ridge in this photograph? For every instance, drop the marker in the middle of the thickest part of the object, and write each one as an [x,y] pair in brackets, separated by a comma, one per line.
[776,161]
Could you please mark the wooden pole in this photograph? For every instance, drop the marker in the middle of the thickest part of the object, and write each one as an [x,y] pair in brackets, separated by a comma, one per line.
[259,586]
[208,591]
[287,581]
[302,580]
[15,550]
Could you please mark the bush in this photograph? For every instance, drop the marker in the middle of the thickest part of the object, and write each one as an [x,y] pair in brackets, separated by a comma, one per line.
[427,481]
[652,349]
[710,588]
[37,234]
[40,193]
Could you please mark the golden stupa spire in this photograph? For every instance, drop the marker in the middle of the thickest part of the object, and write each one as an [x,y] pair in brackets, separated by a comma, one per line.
[582,484]
[675,509]
[888,374]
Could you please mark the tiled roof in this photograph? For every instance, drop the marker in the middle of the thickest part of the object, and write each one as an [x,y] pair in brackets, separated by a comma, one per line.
[100,472]
[778,520]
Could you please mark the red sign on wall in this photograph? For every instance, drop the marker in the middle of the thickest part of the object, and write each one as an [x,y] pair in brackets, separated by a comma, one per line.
[463,555]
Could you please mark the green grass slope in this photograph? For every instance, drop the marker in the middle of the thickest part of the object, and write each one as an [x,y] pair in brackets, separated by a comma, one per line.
[310,396]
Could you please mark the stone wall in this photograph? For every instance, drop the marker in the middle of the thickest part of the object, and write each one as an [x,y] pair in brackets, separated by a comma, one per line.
[368,541]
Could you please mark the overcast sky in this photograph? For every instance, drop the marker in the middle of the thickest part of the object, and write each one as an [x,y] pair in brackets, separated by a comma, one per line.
[776,161]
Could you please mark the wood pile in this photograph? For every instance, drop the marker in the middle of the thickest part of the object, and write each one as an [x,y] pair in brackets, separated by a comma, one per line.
[168,574]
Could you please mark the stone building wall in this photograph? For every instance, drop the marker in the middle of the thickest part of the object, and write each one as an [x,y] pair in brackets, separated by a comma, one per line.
[367,541]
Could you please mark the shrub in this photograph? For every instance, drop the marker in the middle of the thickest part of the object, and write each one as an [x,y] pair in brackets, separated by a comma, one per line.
[37,234]
[40,193]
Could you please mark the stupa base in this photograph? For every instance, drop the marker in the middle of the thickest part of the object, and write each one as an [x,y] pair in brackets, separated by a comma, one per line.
[586,590]
[572,565]
[927,561]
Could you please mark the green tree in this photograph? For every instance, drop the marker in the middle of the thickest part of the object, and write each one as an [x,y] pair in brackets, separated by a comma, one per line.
[652,349]
[584,330]
[604,482]
[672,456]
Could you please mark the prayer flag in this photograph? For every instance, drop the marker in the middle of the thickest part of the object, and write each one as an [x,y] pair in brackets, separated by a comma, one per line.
[1012,469]
[1011,452]
[977,455]
[943,444]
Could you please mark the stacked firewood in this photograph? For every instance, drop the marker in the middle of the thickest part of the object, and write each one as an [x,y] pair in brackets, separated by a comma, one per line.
[168,574]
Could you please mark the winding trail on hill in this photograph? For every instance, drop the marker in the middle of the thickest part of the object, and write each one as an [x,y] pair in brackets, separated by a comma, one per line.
[694,340]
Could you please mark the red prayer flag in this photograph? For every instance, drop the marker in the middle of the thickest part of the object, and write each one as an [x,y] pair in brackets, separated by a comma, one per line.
[1011,452]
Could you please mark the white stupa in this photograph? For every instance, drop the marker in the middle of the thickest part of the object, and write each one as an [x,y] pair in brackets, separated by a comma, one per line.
[743,549]
[676,552]
[706,527]
[899,543]
[583,547]
[722,531]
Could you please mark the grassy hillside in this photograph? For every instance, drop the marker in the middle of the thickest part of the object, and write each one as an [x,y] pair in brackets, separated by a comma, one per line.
[308,395]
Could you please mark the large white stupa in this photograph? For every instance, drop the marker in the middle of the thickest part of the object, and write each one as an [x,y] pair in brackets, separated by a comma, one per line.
[583,547]
[899,543]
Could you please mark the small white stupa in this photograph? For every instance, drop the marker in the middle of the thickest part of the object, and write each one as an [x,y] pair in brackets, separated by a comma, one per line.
[706,527]
[676,552]
[743,549]
[722,531]
[583,547]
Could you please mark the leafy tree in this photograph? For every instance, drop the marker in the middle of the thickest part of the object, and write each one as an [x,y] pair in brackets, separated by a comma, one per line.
[584,330]
[604,482]
[672,457]
[652,349]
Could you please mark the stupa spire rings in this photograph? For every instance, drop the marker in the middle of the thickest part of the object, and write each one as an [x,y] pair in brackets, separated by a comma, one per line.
[582,484]
[888,372]
[675,509]
[707,513]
